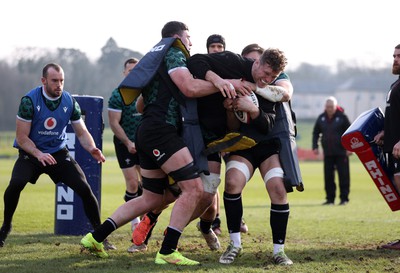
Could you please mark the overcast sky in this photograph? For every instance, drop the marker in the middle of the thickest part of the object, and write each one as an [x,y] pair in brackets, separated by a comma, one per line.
[312,31]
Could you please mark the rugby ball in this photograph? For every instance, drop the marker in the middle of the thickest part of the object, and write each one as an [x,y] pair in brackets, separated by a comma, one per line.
[245,116]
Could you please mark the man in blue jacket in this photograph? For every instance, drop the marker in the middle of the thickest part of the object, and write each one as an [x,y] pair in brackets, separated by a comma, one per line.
[41,140]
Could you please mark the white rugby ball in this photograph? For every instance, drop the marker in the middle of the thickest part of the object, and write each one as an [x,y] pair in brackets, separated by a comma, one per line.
[245,116]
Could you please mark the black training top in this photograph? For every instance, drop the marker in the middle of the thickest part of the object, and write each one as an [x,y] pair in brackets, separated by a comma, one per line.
[392,113]
[212,114]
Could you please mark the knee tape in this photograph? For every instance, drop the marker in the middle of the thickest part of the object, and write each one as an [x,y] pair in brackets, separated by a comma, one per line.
[274,172]
[210,182]
[190,171]
[240,166]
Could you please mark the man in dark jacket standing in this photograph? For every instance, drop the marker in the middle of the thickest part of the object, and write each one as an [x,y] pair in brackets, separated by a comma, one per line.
[330,126]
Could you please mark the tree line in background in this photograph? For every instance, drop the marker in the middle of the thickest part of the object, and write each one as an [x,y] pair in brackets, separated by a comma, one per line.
[100,77]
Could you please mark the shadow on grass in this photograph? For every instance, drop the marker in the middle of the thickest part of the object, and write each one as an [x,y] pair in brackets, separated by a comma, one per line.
[53,253]
[297,204]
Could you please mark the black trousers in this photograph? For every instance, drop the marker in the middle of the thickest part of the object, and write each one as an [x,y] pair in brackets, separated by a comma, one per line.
[341,164]
[28,169]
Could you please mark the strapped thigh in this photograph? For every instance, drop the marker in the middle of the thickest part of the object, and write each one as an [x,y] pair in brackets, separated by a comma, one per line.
[188,172]
[240,166]
[274,172]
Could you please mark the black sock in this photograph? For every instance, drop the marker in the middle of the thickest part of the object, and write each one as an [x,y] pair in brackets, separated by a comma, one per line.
[205,226]
[216,223]
[153,216]
[146,242]
[105,229]
[233,211]
[129,196]
[170,242]
[279,216]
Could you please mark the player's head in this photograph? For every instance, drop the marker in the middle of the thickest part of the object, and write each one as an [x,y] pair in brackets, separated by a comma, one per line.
[268,67]
[330,106]
[396,61]
[53,80]
[129,65]
[178,30]
[215,43]
[275,58]
[252,51]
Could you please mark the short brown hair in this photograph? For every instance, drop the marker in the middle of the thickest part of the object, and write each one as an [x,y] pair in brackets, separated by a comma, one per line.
[275,58]
[131,61]
[173,27]
[45,70]
[252,47]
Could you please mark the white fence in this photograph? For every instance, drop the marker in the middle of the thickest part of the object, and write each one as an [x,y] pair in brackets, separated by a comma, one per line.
[310,105]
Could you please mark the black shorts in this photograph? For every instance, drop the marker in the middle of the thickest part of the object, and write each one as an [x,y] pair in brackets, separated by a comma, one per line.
[260,152]
[214,157]
[125,158]
[28,169]
[156,143]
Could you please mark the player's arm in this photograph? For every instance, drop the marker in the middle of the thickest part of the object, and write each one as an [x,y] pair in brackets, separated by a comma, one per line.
[86,140]
[378,138]
[22,136]
[232,122]
[281,92]
[288,89]
[264,121]
[83,135]
[262,117]
[25,143]
[233,85]
[140,104]
[245,105]
[224,86]
[195,88]
[200,65]
[242,86]
[315,136]
[114,117]
[23,129]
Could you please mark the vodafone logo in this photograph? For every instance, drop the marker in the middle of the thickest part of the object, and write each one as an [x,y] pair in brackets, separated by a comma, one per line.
[50,123]
[156,152]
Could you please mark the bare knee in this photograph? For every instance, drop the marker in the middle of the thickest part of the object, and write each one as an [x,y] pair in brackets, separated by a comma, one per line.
[277,191]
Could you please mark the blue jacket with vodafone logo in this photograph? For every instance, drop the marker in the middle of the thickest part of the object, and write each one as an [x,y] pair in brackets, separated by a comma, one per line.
[48,129]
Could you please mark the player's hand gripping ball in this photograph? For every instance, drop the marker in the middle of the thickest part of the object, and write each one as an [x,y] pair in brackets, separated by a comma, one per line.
[245,116]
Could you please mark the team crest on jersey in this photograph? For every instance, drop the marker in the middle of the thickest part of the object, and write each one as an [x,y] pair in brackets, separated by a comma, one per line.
[156,152]
[50,123]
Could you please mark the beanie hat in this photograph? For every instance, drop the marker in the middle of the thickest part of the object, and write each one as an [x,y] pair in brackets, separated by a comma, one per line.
[215,38]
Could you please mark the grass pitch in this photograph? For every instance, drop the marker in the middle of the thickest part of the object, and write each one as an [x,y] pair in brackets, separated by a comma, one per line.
[319,238]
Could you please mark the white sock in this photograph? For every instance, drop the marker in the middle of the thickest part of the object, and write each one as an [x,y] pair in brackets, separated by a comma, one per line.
[278,248]
[236,239]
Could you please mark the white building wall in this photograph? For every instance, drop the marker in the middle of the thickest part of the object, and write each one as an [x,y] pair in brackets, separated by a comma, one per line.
[309,106]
